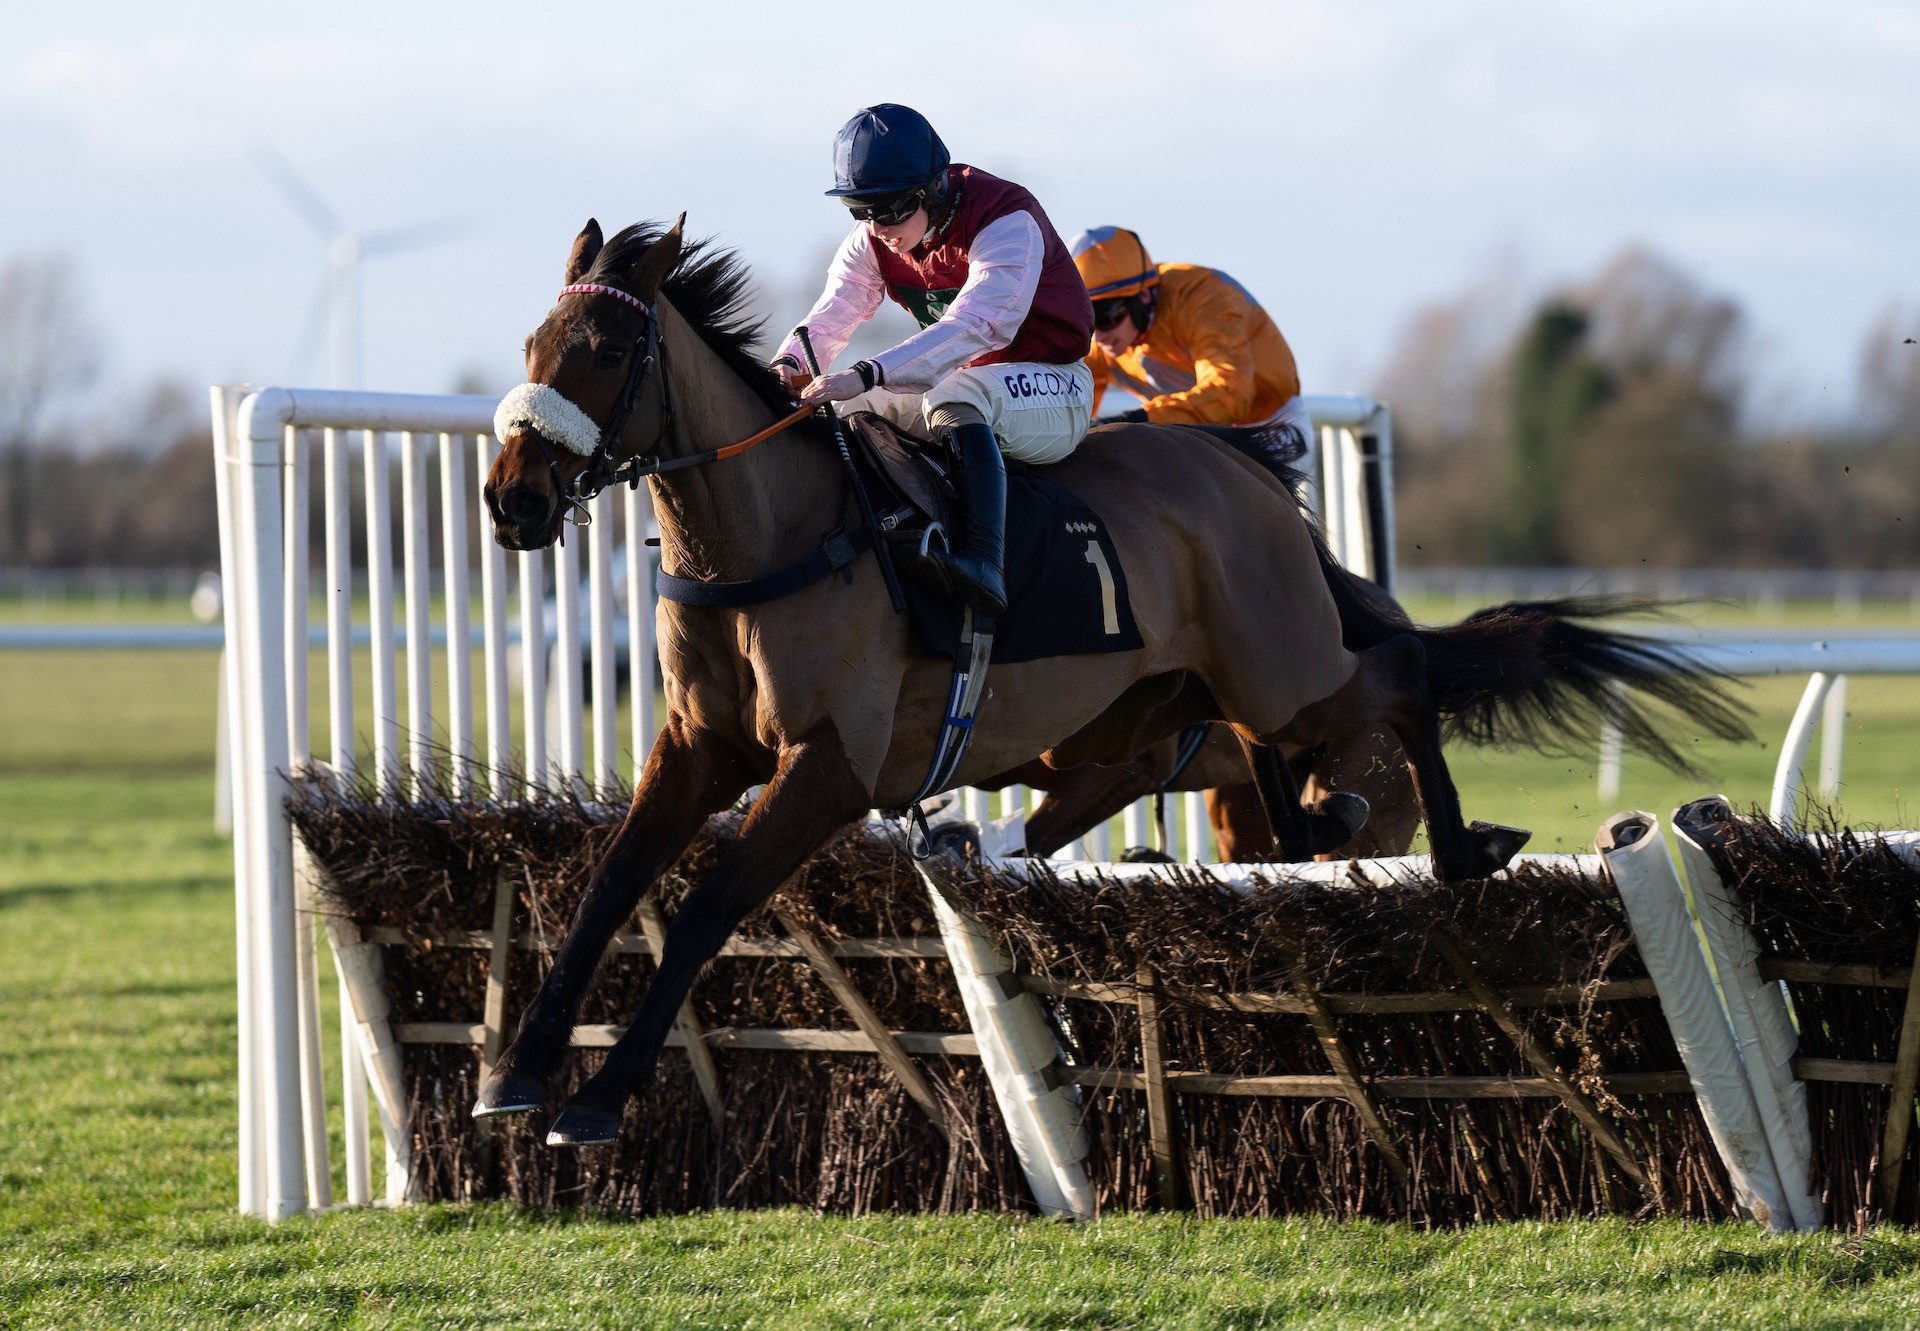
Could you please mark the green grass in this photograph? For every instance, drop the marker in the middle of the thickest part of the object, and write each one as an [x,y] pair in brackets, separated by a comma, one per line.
[485,1266]
[116,1117]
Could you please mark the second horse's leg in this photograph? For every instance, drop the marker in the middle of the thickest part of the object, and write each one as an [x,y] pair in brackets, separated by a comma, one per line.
[813,794]
[688,776]
[1390,685]
[1300,833]
[1082,799]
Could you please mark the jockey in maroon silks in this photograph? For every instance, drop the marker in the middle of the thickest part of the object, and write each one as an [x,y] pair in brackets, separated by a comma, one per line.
[998,364]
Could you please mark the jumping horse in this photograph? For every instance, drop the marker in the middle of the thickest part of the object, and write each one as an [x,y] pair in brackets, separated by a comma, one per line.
[822,696]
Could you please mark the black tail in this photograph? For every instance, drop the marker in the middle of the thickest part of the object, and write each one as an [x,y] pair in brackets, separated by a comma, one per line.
[1527,674]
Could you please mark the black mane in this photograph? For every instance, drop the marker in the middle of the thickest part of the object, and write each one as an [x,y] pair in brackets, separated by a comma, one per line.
[710,289]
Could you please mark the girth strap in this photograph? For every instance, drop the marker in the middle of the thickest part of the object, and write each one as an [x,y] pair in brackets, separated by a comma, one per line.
[838,549]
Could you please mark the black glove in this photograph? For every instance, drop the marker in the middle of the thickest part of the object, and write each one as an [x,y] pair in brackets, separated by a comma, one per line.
[1137,416]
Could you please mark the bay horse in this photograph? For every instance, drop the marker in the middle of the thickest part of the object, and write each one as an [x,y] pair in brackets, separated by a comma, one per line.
[822,694]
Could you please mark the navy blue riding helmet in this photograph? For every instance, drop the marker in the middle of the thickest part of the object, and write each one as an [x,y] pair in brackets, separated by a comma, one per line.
[887,149]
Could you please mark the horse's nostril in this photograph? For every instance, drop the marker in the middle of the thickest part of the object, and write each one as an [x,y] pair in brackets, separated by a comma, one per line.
[523,506]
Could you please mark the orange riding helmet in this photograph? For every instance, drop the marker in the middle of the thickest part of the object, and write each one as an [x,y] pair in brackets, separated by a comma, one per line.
[1113,263]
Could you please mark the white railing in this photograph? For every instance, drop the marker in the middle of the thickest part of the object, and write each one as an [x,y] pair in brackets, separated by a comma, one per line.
[1351,461]
[269,444]
[1826,661]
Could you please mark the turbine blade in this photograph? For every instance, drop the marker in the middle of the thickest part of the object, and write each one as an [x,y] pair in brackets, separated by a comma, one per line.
[414,236]
[301,196]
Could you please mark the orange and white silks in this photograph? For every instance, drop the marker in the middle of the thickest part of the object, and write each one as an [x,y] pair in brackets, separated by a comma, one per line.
[1211,356]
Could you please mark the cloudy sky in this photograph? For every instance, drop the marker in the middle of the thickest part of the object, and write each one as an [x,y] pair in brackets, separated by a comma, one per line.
[1347,161]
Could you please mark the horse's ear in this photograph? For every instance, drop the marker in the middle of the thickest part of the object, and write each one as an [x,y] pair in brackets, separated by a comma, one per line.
[658,261]
[586,248]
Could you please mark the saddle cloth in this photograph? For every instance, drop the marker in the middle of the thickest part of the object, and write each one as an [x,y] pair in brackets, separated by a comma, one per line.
[1066,589]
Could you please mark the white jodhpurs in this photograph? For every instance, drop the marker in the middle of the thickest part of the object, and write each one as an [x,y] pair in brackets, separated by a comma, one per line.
[1039,413]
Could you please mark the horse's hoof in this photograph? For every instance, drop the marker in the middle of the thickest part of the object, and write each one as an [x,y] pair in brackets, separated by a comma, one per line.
[960,840]
[580,1125]
[513,1093]
[1145,855]
[1498,843]
[1490,848]
[1336,820]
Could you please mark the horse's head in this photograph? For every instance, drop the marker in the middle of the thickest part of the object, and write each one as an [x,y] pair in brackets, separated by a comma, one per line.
[594,391]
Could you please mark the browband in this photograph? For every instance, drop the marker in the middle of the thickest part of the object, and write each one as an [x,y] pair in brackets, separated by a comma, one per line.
[595,289]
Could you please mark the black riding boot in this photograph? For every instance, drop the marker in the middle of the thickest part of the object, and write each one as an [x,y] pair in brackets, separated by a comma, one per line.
[971,569]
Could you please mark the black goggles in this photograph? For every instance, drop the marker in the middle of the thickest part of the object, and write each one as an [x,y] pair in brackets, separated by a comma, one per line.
[890,211]
[1107,314]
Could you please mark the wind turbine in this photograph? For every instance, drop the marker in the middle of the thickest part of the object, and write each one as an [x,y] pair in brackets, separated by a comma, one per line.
[336,303]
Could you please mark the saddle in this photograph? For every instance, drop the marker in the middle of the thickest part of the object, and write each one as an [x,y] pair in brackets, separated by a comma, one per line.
[1066,589]
[908,471]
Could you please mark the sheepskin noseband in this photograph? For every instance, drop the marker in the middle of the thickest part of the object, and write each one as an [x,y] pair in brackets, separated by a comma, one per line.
[542,407]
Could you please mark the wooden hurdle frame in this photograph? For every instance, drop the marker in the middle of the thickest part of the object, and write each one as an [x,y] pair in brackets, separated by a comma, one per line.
[266,445]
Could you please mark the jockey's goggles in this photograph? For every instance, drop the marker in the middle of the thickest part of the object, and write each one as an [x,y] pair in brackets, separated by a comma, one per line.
[1107,314]
[889,211]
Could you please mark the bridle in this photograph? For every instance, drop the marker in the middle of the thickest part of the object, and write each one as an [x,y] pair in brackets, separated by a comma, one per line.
[603,469]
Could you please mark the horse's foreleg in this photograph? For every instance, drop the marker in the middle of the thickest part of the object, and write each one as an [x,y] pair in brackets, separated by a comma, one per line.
[1299,833]
[1082,799]
[1390,684]
[813,794]
[689,775]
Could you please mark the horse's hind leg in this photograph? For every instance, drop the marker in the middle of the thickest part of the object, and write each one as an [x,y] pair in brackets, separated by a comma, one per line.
[688,776]
[813,794]
[1082,799]
[1389,684]
[1299,833]
[1374,767]
[1370,766]
[1239,821]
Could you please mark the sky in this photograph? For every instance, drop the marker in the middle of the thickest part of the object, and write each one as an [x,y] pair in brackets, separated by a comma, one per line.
[1347,161]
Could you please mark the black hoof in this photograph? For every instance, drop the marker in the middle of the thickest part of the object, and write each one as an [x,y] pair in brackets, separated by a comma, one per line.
[1490,848]
[959,840]
[512,1093]
[1497,844]
[1336,820]
[1145,855]
[581,1125]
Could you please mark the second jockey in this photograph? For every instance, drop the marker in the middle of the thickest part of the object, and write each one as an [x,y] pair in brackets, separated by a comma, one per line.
[1190,343]
[998,364]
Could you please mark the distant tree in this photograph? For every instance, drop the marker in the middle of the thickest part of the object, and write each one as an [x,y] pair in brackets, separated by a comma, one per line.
[1890,374]
[1651,319]
[1557,387]
[1649,481]
[1523,448]
[1666,434]
[49,354]
[1446,382]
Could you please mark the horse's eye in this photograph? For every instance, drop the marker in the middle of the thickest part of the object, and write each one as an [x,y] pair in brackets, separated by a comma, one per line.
[612,356]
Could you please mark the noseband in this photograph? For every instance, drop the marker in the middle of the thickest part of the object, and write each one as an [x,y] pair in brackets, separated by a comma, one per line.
[603,469]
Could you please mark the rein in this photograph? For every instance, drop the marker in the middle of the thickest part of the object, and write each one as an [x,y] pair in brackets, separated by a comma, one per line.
[602,470]
[837,549]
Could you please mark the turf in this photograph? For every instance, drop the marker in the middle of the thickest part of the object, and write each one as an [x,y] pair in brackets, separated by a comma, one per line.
[116,1117]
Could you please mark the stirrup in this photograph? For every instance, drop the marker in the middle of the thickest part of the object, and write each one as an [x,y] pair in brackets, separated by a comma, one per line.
[926,540]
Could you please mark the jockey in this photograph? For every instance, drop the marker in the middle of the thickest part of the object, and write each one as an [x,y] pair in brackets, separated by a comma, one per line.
[1190,342]
[997,365]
